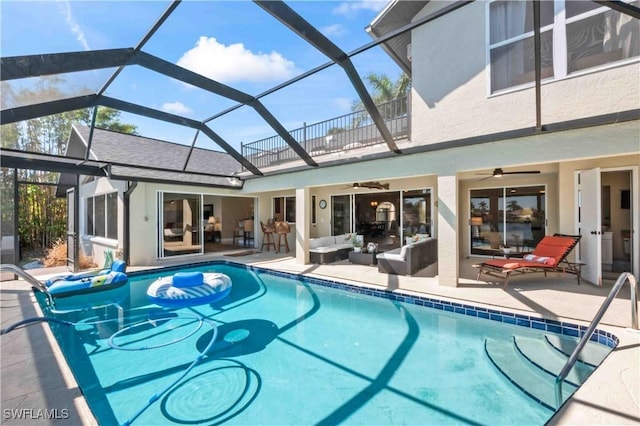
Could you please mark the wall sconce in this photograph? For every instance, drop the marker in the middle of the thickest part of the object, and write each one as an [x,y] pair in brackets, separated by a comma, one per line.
[374,204]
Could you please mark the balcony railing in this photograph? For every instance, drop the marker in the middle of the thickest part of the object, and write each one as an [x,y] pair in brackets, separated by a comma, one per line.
[343,133]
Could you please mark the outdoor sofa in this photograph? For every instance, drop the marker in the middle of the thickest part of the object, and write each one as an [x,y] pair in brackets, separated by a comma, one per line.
[330,249]
[410,258]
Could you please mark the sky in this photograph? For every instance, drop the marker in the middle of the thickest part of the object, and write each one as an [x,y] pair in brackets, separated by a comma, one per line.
[233,42]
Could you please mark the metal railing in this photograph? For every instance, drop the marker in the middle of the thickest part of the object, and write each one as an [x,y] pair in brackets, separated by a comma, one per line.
[349,131]
[624,277]
[26,276]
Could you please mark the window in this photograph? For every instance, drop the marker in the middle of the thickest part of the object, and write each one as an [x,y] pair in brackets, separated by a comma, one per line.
[102,216]
[313,210]
[512,217]
[416,212]
[586,35]
[598,36]
[284,208]
[112,217]
[511,43]
[89,223]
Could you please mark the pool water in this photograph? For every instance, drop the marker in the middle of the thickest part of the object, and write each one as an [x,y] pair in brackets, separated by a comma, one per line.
[288,352]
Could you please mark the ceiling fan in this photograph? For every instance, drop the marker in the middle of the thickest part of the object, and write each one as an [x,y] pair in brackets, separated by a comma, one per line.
[370,185]
[498,173]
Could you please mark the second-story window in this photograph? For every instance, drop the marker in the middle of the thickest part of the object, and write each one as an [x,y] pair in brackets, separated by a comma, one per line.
[511,43]
[598,35]
[574,35]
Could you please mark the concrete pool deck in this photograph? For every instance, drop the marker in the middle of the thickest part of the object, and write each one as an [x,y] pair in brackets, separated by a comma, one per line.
[35,377]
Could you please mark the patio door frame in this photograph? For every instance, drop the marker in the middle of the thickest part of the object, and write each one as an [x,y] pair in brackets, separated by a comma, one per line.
[160,223]
[634,214]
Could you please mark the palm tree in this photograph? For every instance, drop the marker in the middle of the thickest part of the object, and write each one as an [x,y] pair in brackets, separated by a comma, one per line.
[384,90]
[513,205]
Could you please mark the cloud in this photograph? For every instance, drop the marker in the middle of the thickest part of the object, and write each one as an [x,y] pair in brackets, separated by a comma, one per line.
[353,7]
[235,63]
[74,27]
[335,30]
[343,104]
[176,108]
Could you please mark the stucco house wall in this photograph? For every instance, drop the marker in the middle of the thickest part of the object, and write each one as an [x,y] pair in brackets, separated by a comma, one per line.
[450,84]
[92,246]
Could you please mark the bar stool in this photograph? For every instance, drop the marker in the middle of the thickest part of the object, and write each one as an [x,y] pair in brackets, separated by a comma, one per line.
[267,236]
[248,232]
[282,229]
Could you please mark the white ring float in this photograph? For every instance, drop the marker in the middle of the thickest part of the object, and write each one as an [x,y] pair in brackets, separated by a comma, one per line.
[186,289]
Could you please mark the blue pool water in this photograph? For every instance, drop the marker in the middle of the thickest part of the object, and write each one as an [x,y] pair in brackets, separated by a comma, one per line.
[294,352]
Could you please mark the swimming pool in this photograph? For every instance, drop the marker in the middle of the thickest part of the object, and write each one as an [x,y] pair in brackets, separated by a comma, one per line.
[294,351]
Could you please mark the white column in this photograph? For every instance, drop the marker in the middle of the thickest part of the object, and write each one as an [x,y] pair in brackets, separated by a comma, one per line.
[448,244]
[303,225]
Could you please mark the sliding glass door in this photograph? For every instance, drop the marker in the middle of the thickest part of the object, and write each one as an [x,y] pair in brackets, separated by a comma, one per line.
[180,226]
[508,217]
[340,214]
[416,213]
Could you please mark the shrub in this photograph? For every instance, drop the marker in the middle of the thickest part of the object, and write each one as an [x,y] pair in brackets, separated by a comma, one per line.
[57,256]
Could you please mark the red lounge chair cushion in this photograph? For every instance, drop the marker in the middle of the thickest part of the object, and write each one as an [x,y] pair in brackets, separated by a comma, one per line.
[511,264]
[547,254]
[553,247]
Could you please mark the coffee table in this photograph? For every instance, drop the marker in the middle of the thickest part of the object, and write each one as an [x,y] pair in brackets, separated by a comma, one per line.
[363,258]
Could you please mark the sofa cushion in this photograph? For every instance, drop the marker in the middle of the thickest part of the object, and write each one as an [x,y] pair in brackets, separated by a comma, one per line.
[420,237]
[395,254]
[323,249]
[315,243]
[343,246]
[344,239]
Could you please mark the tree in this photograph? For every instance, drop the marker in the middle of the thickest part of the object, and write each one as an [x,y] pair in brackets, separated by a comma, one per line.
[42,216]
[512,206]
[107,118]
[384,90]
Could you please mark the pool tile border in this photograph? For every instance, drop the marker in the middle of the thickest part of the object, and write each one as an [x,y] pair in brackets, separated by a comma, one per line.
[542,324]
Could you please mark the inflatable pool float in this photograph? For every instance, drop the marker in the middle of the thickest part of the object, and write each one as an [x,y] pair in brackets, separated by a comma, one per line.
[88,282]
[185,289]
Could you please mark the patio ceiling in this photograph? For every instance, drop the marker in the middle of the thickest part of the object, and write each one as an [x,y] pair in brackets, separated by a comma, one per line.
[391,31]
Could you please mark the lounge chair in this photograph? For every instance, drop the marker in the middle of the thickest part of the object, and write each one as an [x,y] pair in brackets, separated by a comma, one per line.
[550,255]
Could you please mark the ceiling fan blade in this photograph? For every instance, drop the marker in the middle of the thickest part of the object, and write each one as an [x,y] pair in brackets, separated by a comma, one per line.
[527,172]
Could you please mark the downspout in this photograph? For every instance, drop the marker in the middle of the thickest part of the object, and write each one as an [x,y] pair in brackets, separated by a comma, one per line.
[76,223]
[127,222]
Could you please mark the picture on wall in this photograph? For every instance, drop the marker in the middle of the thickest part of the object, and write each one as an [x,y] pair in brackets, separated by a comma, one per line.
[207,211]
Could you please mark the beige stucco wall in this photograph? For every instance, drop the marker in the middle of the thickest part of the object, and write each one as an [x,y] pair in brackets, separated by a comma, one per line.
[95,247]
[143,216]
[450,79]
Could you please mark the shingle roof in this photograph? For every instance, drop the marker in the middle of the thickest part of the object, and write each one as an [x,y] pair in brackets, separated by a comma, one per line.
[395,15]
[118,147]
[139,152]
